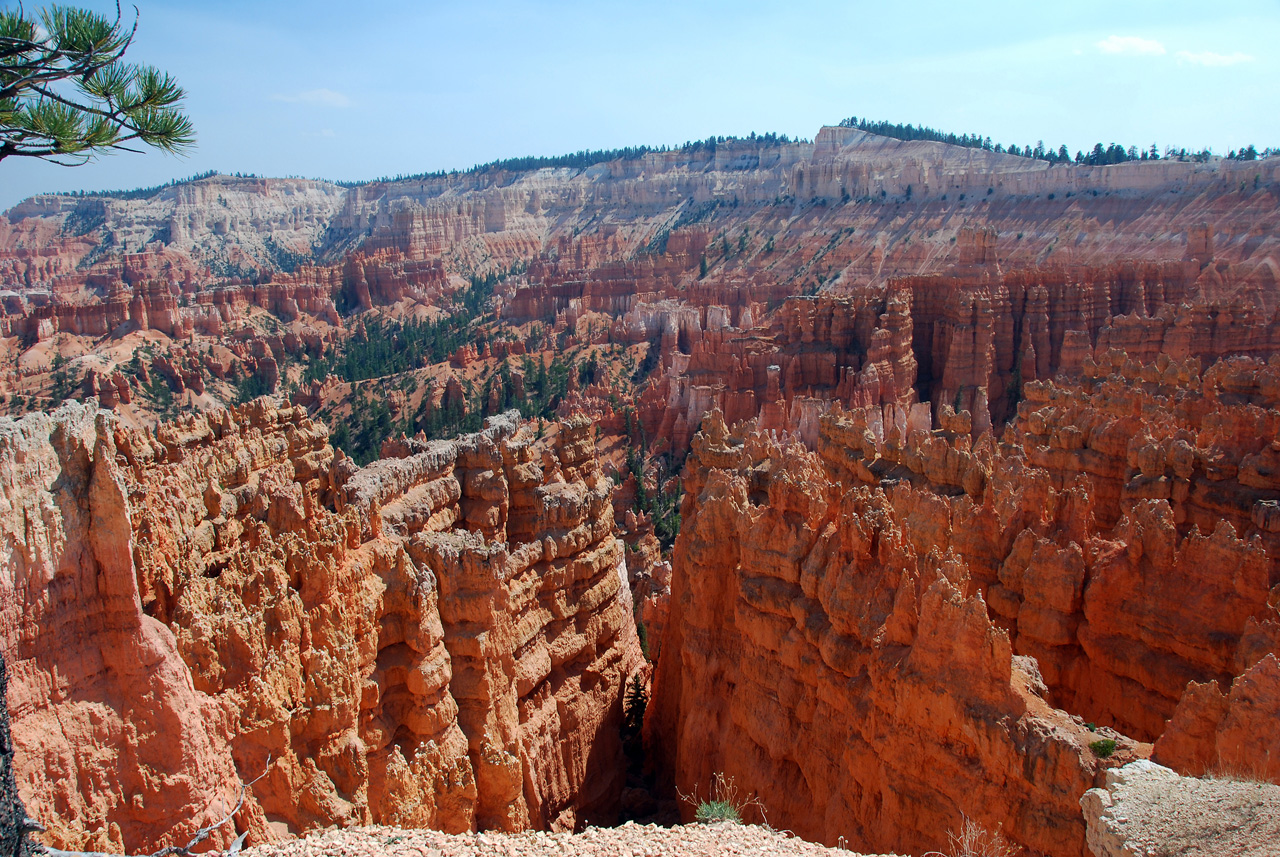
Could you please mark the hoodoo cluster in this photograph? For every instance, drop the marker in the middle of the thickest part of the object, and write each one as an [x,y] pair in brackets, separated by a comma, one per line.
[911,486]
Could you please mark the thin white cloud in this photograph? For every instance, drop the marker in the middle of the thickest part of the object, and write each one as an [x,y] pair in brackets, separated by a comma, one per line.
[316,97]
[1132,46]
[1214,60]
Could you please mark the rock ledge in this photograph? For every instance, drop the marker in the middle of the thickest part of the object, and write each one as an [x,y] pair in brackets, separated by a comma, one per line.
[1147,809]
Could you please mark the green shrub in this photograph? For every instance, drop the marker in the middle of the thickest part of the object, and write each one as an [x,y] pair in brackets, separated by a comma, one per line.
[1103,747]
[725,803]
[712,811]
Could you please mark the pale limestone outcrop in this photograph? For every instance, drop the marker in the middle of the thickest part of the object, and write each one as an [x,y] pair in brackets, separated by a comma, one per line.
[1146,808]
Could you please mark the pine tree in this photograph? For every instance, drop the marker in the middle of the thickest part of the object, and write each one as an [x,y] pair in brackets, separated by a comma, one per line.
[66,93]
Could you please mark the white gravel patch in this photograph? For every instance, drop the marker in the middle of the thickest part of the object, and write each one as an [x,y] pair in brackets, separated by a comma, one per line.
[627,840]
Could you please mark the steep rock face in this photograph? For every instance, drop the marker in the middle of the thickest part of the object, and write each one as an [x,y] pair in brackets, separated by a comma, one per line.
[13,815]
[541,628]
[154,305]
[1015,271]
[1074,549]
[1231,733]
[304,630]
[1180,583]
[411,641]
[1120,533]
[842,672]
[837,208]
[855,350]
[98,691]
[970,339]
[401,640]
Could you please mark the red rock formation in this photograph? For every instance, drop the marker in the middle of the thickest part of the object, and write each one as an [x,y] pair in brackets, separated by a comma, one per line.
[699,249]
[14,828]
[287,604]
[1232,733]
[110,390]
[1122,536]
[1118,538]
[844,675]
[970,339]
[114,746]
[1046,392]
[387,276]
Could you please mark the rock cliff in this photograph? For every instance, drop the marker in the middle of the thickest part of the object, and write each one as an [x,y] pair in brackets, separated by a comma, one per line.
[825,597]
[13,815]
[986,476]
[438,640]
[844,669]
[1000,269]
[98,692]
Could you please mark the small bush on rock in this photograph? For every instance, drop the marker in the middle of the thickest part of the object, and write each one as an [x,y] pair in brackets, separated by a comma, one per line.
[711,811]
[723,804]
[1103,747]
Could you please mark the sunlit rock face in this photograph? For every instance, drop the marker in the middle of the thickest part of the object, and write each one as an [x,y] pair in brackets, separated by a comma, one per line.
[436,640]
[844,672]
[942,274]
[986,474]
[900,626]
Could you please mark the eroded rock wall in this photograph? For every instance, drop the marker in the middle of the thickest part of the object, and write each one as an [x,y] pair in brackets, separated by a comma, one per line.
[971,339]
[13,815]
[1122,531]
[438,640]
[1068,596]
[844,674]
[114,746]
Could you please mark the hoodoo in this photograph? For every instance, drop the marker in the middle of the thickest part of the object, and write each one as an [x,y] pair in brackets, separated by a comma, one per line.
[437,640]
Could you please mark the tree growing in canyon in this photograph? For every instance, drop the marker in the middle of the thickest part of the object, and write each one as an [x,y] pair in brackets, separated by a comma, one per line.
[66,93]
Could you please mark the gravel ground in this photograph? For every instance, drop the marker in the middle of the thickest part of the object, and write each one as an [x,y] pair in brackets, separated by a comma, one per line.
[628,840]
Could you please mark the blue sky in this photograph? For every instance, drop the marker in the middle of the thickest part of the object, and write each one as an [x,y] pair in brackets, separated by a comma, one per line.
[324,89]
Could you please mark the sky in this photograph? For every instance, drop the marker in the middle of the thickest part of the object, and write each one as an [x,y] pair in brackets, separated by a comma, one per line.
[339,90]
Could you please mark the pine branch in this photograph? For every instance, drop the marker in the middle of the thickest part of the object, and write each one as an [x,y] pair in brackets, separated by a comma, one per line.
[65,91]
